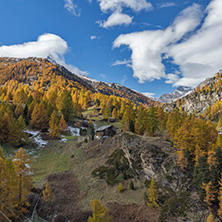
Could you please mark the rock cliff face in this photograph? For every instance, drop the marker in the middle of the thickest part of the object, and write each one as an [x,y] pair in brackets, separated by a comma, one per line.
[155,157]
[205,95]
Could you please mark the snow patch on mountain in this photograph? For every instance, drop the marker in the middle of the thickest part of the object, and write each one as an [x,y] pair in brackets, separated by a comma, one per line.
[176,94]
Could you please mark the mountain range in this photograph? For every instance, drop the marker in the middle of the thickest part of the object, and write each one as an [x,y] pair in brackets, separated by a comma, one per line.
[176,94]
[30,70]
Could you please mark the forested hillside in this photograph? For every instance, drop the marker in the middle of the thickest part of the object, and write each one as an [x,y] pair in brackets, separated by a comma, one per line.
[158,163]
[35,70]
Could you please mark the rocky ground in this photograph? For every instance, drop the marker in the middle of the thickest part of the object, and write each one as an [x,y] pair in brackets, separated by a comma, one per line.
[148,157]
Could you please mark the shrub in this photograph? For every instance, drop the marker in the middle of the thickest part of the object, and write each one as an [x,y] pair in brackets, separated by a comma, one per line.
[120,188]
[132,185]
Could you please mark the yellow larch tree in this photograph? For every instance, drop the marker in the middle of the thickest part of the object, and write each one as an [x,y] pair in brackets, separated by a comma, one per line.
[47,193]
[219,197]
[62,124]
[210,218]
[3,185]
[99,212]
[211,159]
[210,193]
[24,174]
[54,125]
[152,195]
[12,185]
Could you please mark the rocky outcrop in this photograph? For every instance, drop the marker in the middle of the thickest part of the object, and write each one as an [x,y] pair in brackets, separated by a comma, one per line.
[176,94]
[205,95]
[154,157]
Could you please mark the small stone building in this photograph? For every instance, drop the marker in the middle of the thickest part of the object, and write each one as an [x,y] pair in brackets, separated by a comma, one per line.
[106,131]
[111,120]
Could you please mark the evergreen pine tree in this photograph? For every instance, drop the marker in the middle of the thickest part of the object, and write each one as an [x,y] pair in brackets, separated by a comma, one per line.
[201,174]
[152,121]
[132,185]
[218,155]
[131,126]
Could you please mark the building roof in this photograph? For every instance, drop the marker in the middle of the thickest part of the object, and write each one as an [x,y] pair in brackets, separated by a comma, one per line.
[102,128]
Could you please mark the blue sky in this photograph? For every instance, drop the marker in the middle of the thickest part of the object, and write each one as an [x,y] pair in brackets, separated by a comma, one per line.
[149,46]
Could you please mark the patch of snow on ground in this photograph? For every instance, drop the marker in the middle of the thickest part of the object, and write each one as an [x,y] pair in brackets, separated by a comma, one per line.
[73,131]
[36,138]
[63,139]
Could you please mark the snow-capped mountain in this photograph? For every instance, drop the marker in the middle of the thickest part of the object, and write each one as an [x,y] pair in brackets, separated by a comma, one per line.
[176,94]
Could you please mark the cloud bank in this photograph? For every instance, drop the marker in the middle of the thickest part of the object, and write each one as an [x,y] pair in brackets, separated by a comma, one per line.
[196,50]
[46,45]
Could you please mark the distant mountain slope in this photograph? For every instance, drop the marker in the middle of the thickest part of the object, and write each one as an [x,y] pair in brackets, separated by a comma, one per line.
[176,94]
[30,70]
[122,91]
[203,96]
[119,90]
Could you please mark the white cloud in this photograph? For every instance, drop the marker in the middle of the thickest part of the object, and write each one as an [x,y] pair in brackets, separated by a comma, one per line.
[172,78]
[124,78]
[71,7]
[148,47]
[102,76]
[46,44]
[115,19]
[117,5]
[167,4]
[148,94]
[200,56]
[73,68]
[195,50]
[93,37]
[123,62]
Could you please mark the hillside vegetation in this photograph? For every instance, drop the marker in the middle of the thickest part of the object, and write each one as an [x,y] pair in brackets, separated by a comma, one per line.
[161,166]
